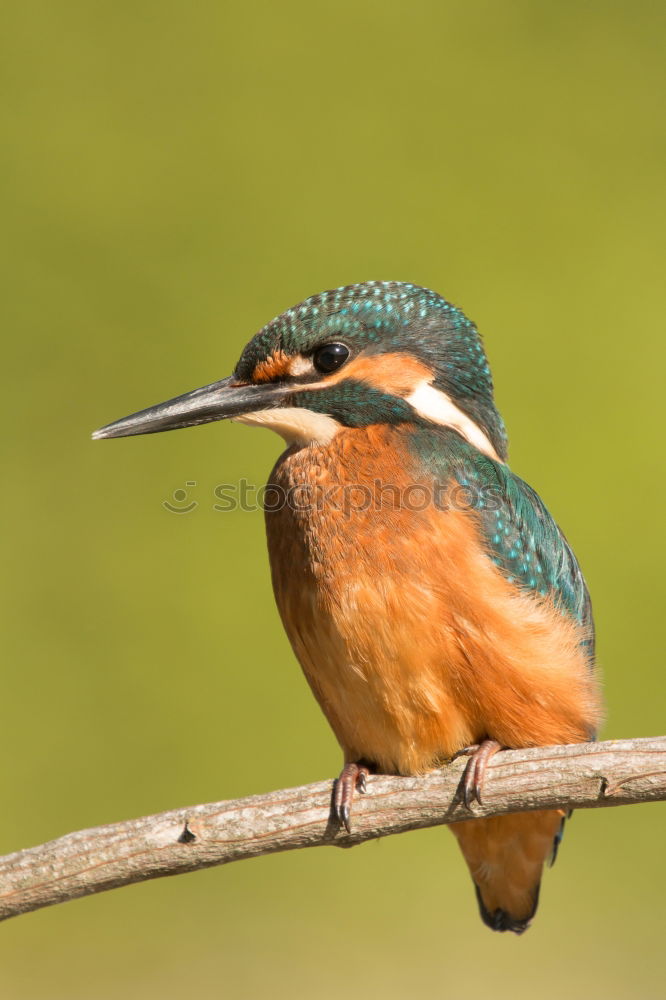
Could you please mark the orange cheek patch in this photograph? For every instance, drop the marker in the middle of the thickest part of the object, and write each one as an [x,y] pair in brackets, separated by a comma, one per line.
[396,374]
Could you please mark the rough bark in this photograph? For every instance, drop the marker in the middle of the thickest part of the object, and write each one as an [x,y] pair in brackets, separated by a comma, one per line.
[583,776]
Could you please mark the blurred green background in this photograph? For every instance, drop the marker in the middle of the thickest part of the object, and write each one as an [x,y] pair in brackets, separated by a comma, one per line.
[173,175]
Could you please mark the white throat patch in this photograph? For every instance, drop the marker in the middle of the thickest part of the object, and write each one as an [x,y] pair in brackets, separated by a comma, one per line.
[295,424]
[435,405]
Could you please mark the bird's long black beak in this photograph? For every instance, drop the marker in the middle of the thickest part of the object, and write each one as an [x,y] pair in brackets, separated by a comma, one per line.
[217,401]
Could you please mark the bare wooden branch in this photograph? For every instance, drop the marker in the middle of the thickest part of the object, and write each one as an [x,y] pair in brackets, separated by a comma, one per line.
[582,776]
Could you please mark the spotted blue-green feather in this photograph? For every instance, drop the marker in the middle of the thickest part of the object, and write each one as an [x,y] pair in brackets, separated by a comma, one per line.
[520,534]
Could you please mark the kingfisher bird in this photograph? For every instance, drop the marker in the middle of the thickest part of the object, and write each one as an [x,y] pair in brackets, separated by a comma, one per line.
[433,603]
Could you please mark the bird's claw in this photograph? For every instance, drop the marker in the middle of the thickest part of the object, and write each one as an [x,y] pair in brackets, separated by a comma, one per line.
[353,777]
[479,754]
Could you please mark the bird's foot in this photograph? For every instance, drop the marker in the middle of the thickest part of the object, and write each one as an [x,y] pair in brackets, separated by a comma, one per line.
[352,778]
[479,754]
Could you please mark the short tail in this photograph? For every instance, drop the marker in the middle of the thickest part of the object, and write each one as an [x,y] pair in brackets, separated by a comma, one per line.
[506,855]
[501,920]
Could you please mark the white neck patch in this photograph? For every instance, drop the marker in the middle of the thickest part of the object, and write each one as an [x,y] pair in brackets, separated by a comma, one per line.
[295,424]
[435,405]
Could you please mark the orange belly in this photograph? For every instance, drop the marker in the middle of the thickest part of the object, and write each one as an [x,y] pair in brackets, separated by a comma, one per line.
[415,644]
[412,640]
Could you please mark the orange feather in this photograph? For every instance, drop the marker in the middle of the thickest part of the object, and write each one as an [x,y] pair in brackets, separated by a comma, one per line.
[414,642]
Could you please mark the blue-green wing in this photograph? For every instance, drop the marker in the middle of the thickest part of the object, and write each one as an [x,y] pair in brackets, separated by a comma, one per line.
[522,537]
[530,548]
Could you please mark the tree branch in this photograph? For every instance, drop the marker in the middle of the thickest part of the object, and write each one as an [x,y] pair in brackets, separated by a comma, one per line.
[581,776]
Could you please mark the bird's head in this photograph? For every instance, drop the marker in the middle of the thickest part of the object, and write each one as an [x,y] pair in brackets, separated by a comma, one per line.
[382,352]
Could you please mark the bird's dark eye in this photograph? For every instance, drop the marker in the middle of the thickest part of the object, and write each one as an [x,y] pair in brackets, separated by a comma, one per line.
[330,357]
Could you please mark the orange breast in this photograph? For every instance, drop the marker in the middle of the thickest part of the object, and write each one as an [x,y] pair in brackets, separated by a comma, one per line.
[411,639]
